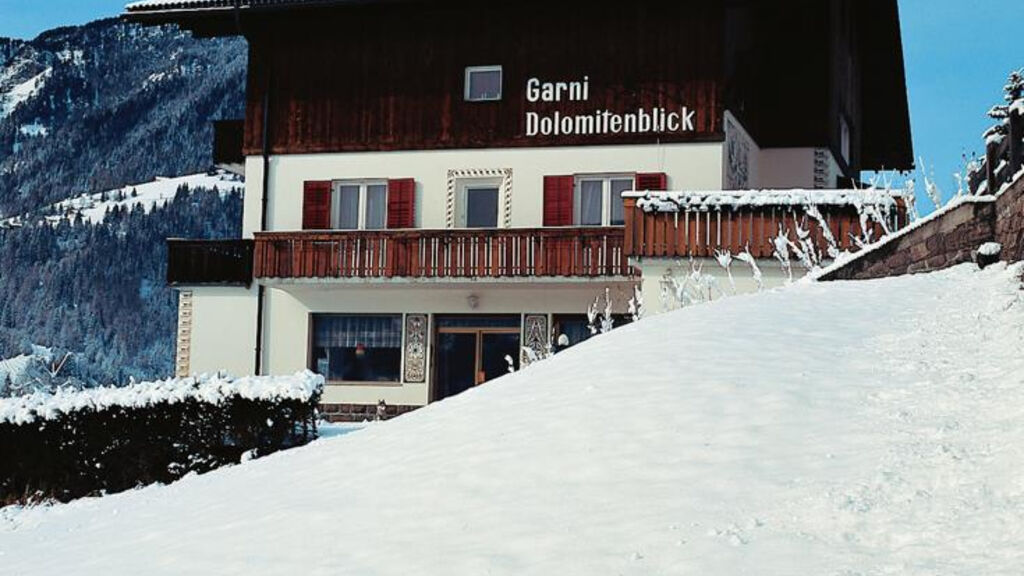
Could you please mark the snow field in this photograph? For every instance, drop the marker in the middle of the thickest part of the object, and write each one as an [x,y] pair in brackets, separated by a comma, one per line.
[853,428]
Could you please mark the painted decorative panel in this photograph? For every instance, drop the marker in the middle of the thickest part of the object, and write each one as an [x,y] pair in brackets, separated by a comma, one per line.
[535,336]
[415,348]
[183,348]
[505,188]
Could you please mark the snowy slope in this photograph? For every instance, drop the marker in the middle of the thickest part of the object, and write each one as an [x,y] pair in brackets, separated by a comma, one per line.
[150,194]
[93,207]
[827,429]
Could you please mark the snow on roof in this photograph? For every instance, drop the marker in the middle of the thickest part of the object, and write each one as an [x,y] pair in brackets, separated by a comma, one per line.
[839,428]
[718,199]
[207,388]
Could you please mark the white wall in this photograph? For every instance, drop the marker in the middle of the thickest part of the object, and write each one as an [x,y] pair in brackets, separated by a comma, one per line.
[785,168]
[223,330]
[689,166]
[289,307]
[656,269]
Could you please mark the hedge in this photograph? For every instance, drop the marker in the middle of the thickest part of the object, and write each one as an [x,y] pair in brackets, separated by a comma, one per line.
[69,444]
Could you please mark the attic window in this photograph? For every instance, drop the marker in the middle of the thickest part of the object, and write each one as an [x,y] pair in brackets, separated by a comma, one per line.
[483,83]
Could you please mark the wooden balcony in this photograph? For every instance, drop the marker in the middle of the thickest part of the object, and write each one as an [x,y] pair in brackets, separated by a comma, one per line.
[451,254]
[209,262]
[700,233]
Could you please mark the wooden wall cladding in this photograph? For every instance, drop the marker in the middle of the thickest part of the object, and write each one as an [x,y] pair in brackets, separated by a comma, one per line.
[384,78]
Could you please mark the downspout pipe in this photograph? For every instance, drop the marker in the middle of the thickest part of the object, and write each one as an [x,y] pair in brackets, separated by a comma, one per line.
[260,288]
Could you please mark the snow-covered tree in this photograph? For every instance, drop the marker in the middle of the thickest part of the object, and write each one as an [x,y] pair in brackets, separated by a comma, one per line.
[748,258]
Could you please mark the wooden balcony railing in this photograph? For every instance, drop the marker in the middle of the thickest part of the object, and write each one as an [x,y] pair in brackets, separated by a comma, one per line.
[506,253]
[701,233]
[209,262]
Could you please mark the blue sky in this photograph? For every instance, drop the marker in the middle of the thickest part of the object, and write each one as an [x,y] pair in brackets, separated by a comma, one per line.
[958,53]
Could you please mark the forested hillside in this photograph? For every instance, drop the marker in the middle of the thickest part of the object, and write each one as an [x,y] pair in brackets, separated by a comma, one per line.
[93,108]
[88,108]
[99,291]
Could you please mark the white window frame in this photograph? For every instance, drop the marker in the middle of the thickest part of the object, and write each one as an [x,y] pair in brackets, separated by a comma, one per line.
[363,184]
[470,70]
[606,196]
[462,185]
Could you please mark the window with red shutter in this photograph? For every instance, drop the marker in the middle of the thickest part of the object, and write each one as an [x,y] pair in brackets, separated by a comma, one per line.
[558,192]
[316,205]
[654,181]
[402,203]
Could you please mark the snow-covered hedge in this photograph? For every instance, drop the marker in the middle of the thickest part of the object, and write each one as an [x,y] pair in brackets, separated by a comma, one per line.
[210,389]
[73,443]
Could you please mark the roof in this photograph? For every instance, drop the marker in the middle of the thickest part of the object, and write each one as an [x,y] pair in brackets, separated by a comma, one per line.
[199,6]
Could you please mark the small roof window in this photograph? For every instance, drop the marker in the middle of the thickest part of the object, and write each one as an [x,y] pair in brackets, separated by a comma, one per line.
[483,83]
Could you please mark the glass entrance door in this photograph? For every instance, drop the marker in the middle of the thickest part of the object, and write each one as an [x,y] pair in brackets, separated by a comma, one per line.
[472,350]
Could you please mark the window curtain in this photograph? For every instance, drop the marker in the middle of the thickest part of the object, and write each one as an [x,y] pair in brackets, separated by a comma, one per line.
[348,208]
[376,206]
[350,331]
[590,202]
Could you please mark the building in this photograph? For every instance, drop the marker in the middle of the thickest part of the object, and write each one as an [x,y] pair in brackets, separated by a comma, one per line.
[432,186]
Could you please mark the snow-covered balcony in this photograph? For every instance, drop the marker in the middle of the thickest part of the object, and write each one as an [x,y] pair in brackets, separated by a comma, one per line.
[699,224]
[484,254]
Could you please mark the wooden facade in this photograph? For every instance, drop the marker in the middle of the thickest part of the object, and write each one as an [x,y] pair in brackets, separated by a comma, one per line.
[344,76]
[450,254]
[382,77]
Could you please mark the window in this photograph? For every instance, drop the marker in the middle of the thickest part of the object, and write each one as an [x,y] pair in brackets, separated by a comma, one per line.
[359,205]
[571,329]
[483,83]
[478,203]
[357,348]
[598,200]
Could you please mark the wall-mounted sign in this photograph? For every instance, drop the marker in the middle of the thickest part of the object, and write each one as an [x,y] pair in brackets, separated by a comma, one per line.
[653,120]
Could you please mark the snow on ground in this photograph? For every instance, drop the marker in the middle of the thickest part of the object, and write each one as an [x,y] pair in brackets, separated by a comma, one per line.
[93,207]
[33,130]
[151,194]
[21,92]
[855,428]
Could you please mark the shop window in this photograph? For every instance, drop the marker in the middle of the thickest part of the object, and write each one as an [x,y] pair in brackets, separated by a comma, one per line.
[483,83]
[598,200]
[357,348]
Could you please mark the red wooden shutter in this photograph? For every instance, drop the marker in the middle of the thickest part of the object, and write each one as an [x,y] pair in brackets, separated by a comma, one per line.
[402,203]
[654,182]
[316,205]
[558,200]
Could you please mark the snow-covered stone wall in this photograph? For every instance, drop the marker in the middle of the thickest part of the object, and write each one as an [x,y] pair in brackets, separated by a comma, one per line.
[951,236]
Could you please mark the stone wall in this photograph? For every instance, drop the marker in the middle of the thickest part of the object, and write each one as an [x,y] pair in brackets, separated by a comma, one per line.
[949,238]
[1009,225]
[360,412]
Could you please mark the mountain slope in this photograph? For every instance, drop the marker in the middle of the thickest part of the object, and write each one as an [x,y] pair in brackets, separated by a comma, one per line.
[840,429]
[93,107]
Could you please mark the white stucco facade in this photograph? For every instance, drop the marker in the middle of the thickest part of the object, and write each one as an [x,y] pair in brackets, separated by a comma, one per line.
[222,330]
[224,325]
[688,166]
